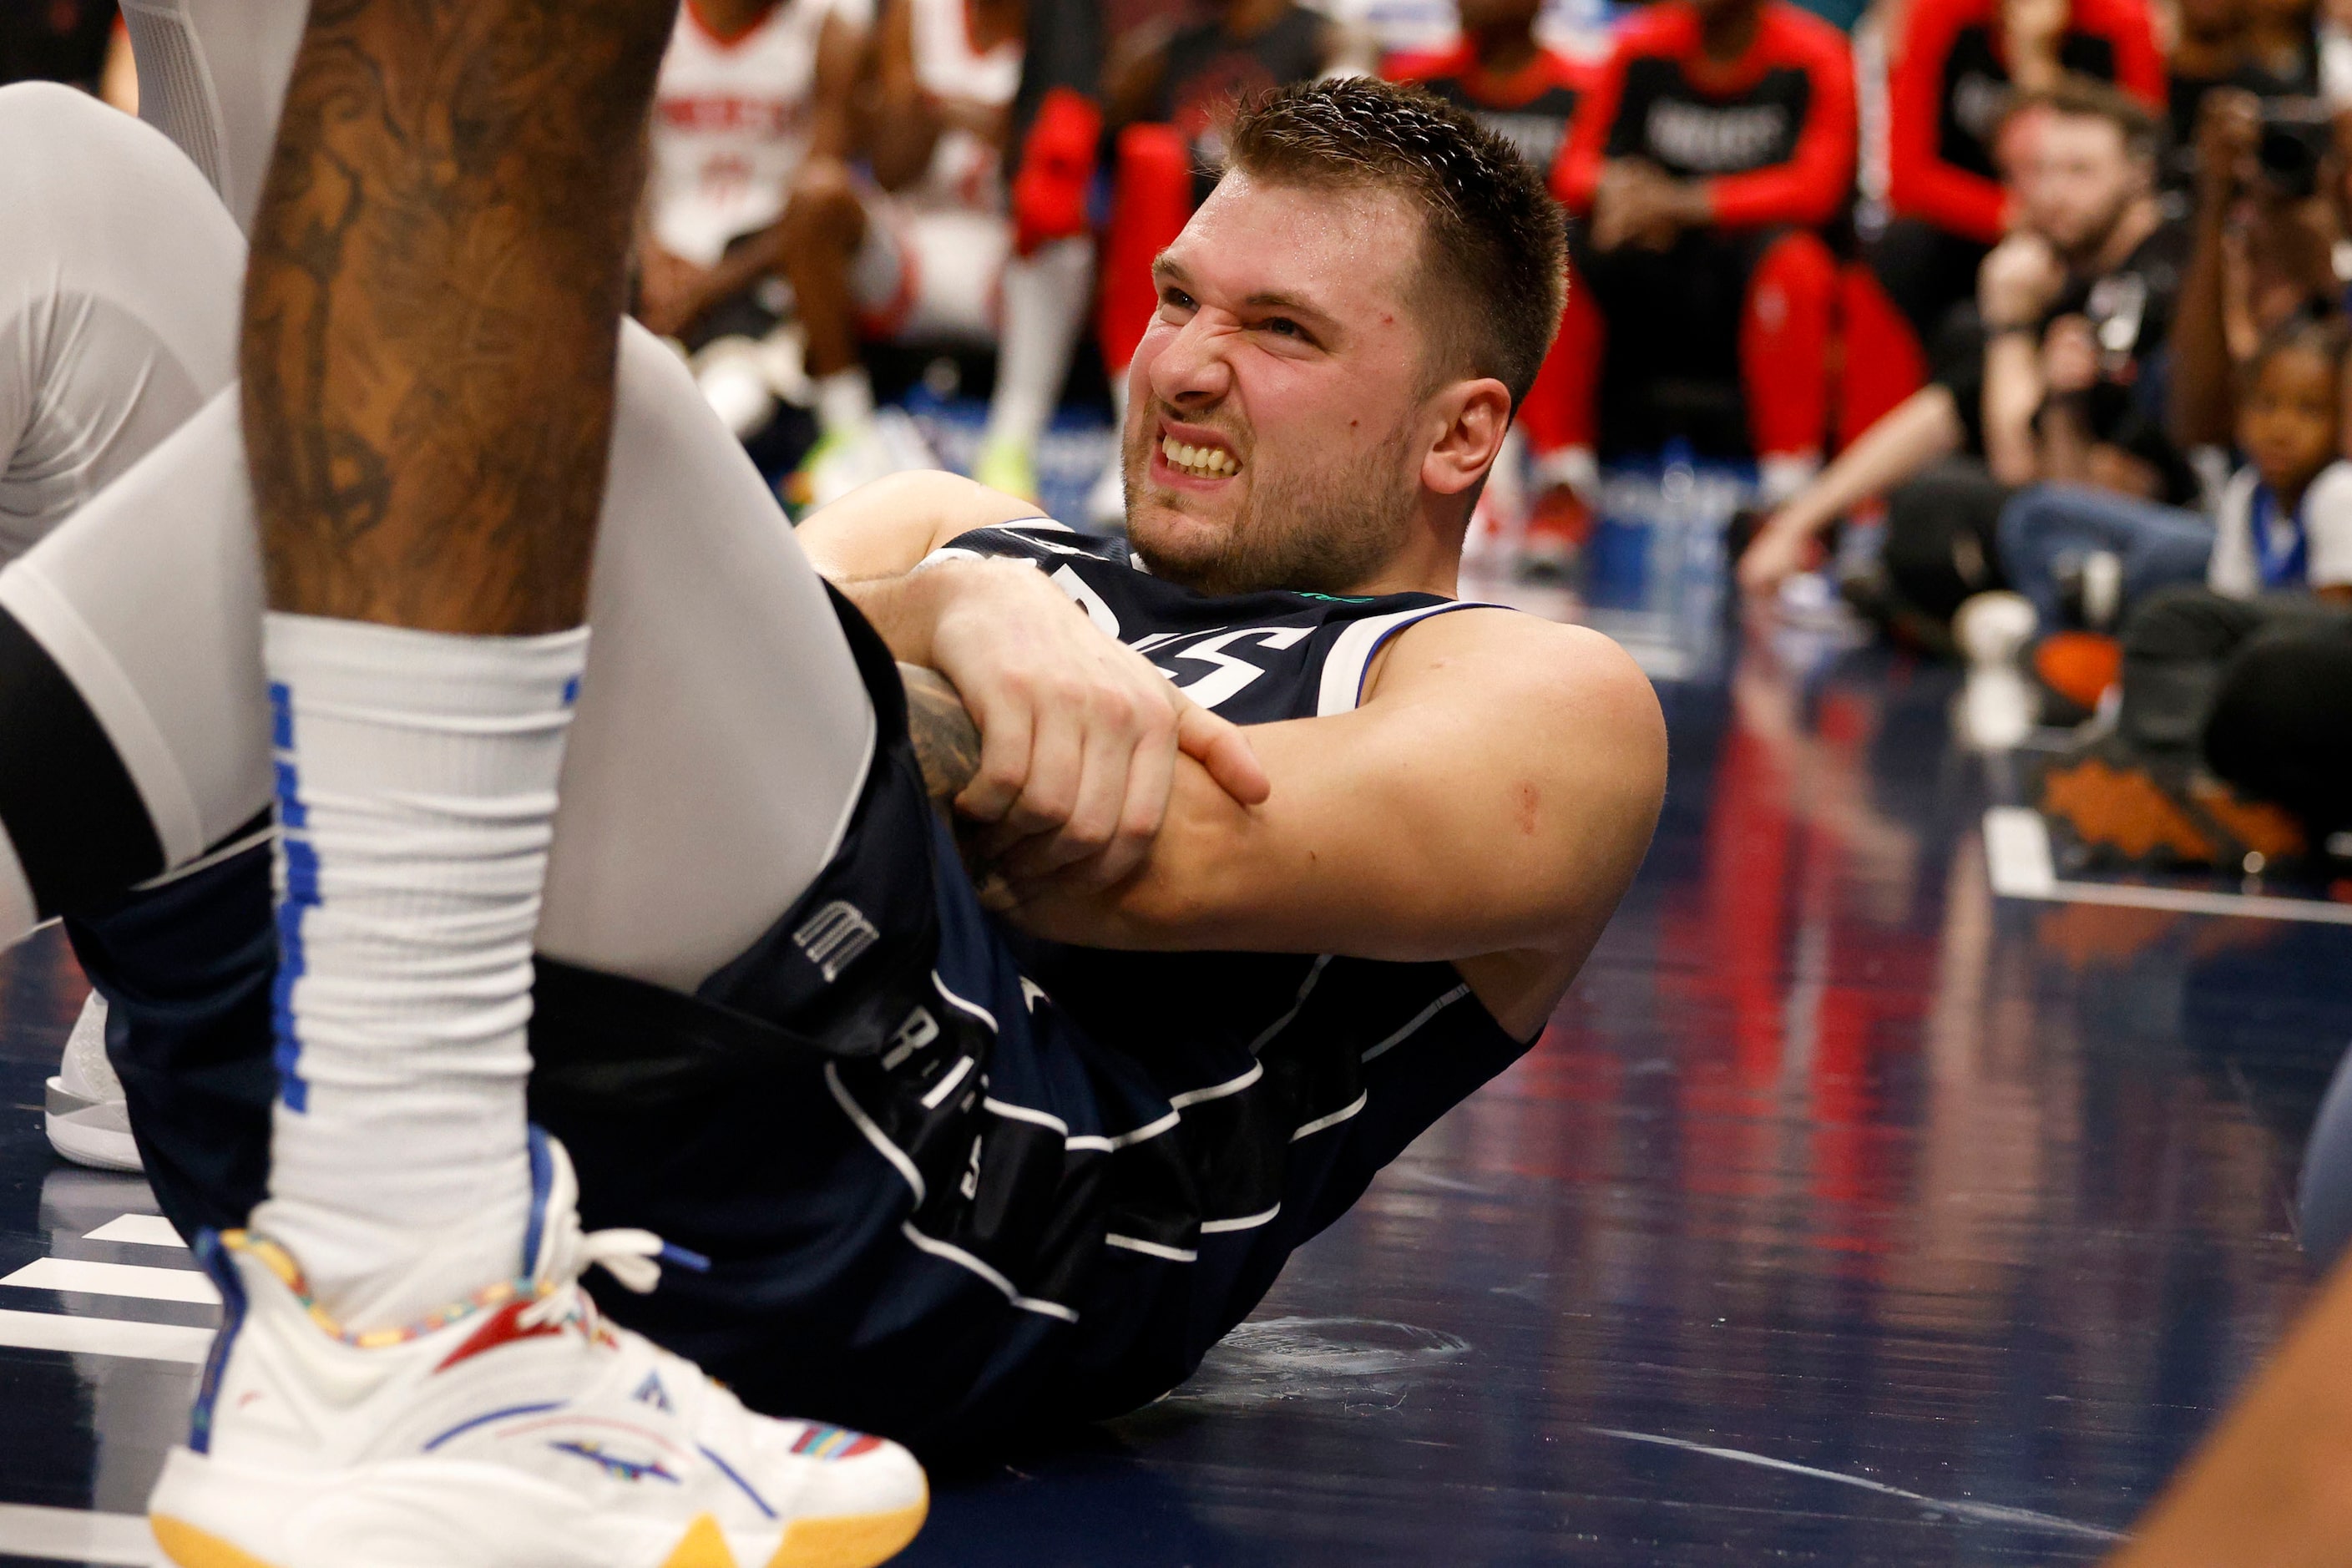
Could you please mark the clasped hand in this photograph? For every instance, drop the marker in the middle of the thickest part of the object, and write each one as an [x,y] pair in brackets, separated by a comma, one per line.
[1078,733]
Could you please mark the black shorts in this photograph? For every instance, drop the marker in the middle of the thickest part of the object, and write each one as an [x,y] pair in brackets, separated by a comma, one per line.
[935,1207]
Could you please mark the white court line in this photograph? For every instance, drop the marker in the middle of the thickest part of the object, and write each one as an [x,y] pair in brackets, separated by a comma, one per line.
[140,1230]
[69,1535]
[2017,856]
[115,1279]
[104,1336]
[1976,1512]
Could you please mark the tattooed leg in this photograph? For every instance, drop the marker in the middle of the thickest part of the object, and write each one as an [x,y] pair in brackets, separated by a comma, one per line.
[431,328]
[430,316]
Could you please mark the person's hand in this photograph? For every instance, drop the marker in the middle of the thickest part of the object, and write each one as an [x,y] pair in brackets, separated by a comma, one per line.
[1078,732]
[669,290]
[1776,554]
[2069,356]
[1638,203]
[955,112]
[2228,130]
[2019,277]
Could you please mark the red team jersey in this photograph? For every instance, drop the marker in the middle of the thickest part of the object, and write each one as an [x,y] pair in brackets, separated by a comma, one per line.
[1531,108]
[1945,92]
[1772,133]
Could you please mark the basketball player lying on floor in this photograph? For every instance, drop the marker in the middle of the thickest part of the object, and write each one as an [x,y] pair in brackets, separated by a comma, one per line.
[951,1169]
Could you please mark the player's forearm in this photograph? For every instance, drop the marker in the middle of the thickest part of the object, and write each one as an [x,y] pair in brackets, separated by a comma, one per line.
[906,131]
[1924,427]
[2200,392]
[1364,850]
[886,527]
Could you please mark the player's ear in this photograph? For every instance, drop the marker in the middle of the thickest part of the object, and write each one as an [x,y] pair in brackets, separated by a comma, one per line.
[1475,415]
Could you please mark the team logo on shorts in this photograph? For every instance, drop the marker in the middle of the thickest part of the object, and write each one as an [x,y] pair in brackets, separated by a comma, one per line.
[834,937]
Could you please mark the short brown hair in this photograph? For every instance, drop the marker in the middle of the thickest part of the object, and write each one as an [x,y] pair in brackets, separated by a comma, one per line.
[2085,98]
[1493,240]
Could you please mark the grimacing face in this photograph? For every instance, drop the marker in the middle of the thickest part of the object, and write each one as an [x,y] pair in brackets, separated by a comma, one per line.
[1273,435]
[2080,176]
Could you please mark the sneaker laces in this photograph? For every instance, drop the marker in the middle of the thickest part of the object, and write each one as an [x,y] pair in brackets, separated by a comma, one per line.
[633,1258]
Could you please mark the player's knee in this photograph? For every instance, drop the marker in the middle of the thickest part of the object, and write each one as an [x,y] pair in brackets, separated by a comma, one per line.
[825,213]
[59,142]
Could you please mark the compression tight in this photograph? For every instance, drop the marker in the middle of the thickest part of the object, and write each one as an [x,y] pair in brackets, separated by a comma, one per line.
[721,737]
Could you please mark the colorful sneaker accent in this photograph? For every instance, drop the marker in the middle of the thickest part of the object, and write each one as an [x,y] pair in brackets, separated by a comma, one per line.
[515,1430]
[86,1114]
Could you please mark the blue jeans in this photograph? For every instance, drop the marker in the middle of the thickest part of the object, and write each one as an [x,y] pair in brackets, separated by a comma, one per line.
[2159,545]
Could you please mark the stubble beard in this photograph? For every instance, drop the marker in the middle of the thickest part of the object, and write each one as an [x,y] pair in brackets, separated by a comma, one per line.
[1324,531]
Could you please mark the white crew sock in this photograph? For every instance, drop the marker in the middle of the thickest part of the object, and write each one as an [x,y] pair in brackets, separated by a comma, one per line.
[844,401]
[417,776]
[1045,298]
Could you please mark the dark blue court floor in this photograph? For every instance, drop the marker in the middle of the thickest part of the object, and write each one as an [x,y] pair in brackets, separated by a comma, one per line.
[1846,1213]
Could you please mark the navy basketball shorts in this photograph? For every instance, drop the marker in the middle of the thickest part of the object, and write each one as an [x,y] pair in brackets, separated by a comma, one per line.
[934,1206]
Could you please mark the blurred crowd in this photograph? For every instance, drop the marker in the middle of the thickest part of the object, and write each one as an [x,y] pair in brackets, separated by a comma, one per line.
[2027,313]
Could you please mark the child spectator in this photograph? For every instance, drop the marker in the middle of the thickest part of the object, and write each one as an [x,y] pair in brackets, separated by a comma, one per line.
[2215,667]
[750,140]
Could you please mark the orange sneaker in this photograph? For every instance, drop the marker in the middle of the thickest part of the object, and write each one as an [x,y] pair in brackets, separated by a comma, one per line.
[2079,666]
[2119,807]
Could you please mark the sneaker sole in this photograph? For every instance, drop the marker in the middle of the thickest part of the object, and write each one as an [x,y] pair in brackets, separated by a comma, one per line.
[567,1538]
[859,1541]
[74,1138]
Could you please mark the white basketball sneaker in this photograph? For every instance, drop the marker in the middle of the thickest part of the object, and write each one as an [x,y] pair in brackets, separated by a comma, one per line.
[87,1118]
[517,1430]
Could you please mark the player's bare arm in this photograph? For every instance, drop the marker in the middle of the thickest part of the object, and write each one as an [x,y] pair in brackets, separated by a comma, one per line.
[1487,803]
[1079,735]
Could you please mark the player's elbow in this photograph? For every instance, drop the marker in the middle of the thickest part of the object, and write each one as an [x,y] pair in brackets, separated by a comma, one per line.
[1615,788]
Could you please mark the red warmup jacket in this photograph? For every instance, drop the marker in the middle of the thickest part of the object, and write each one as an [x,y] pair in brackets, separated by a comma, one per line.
[1772,133]
[1945,91]
[1532,107]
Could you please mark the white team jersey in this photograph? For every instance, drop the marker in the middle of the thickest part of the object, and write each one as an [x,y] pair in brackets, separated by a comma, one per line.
[966,173]
[731,123]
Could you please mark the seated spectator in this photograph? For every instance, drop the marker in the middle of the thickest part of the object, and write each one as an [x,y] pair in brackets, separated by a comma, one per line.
[925,253]
[1528,95]
[750,140]
[2093,262]
[2239,666]
[1954,67]
[1168,94]
[1715,143]
[2115,551]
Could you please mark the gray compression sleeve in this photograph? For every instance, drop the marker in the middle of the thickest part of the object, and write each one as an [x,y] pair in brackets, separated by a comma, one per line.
[212,77]
[118,301]
[722,732]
